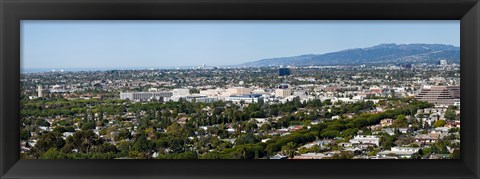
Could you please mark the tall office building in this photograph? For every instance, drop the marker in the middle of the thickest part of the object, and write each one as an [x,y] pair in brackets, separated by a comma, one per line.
[443,62]
[440,95]
[407,66]
[39,91]
[283,71]
[283,91]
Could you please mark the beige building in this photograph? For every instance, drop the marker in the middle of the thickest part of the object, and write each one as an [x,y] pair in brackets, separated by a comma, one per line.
[239,91]
[283,93]
[39,91]
[386,122]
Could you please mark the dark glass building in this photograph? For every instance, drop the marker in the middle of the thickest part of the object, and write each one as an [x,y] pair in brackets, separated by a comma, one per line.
[406,66]
[283,71]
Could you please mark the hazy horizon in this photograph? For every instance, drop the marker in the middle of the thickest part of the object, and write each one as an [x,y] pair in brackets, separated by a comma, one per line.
[170,44]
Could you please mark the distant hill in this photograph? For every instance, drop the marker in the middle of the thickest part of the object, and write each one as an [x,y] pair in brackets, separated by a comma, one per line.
[380,54]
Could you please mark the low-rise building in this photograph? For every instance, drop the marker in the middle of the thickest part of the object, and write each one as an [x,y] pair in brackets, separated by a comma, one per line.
[143,96]
[425,139]
[251,98]
[239,91]
[362,139]
[386,122]
[402,152]
[311,156]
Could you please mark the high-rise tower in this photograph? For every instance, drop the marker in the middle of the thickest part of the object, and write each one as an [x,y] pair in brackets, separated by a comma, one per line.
[40,91]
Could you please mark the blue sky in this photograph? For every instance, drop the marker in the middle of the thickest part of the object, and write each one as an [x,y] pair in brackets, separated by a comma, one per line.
[156,44]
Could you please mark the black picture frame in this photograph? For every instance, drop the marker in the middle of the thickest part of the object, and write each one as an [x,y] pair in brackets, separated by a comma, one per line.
[12,11]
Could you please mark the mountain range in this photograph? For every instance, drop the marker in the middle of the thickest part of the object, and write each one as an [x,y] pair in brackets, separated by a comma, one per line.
[380,54]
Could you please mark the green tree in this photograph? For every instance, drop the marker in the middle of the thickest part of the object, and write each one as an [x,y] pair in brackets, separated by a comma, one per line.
[400,121]
[387,142]
[289,149]
[88,126]
[59,129]
[124,148]
[439,123]
[49,140]
[52,153]
[330,134]
[141,144]
[24,134]
[450,114]
[343,155]
[248,138]
[456,154]
[83,140]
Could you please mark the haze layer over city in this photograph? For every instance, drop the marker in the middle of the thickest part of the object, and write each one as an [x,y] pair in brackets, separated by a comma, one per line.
[240,90]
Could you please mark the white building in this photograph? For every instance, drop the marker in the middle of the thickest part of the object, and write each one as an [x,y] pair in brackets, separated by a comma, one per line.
[142,96]
[206,99]
[252,98]
[181,92]
[362,139]
[404,152]
[57,89]
[443,62]
[345,100]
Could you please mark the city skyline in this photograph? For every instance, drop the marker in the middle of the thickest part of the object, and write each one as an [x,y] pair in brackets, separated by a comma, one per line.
[162,44]
[336,112]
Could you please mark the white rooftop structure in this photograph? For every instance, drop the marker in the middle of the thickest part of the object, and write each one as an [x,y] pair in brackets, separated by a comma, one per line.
[362,139]
[405,152]
[181,92]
